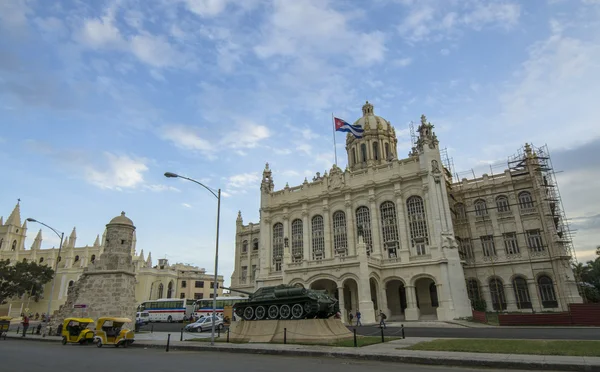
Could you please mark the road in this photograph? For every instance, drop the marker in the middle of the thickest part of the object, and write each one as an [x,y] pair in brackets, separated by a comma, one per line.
[17,355]
[506,333]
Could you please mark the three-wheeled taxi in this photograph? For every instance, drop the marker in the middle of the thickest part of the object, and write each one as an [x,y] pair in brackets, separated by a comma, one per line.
[110,331]
[4,325]
[74,330]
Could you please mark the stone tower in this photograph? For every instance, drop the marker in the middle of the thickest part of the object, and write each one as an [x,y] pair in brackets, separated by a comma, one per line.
[106,288]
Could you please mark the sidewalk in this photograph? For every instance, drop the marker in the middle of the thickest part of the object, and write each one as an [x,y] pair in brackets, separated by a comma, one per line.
[387,352]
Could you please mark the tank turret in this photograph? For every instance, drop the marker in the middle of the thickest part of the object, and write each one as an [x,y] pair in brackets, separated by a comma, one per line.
[286,302]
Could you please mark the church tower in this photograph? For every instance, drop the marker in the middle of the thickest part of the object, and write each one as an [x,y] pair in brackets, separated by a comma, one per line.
[378,144]
[13,233]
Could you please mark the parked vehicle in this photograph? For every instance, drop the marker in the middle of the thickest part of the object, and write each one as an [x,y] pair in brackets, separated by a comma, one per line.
[111,331]
[75,331]
[4,325]
[204,323]
[142,317]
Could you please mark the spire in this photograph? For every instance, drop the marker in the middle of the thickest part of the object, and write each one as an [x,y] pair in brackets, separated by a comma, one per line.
[133,244]
[149,260]
[97,241]
[239,217]
[24,227]
[1,220]
[37,242]
[15,216]
[426,135]
[267,180]
[142,255]
[367,109]
[72,238]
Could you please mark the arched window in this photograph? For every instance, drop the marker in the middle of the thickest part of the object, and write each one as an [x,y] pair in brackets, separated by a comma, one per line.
[480,208]
[245,246]
[547,294]
[433,295]
[417,221]
[93,258]
[525,200]
[255,244]
[502,204]
[59,258]
[386,146]
[522,293]
[363,152]
[161,289]
[170,290]
[14,245]
[459,209]
[473,290]
[41,259]
[497,293]
[340,237]
[318,238]
[76,259]
[1,242]
[375,150]
[363,225]
[71,283]
[389,228]
[353,156]
[277,245]
[24,260]
[297,240]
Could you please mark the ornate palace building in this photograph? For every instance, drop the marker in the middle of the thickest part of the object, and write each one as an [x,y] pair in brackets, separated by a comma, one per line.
[400,236]
[162,280]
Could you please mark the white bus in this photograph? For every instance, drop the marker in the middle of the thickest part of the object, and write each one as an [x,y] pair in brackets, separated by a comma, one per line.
[205,306]
[168,309]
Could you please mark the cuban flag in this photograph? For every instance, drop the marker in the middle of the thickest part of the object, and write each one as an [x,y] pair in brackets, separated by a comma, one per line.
[342,126]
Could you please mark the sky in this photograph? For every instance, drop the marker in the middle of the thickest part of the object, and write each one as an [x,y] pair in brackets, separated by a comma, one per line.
[99,98]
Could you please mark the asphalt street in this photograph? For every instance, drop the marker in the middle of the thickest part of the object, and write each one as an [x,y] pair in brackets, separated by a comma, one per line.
[528,333]
[17,355]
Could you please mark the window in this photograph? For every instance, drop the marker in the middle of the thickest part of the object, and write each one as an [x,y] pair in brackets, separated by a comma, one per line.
[363,224]
[182,295]
[245,246]
[459,210]
[497,293]
[41,259]
[14,245]
[473,290]
[525,200]
[389,229]
[465,249]
[510,243]
[253,272]
[170,290]
[71,283]
[255,244]
[161,289]
[547,294]
[277,245]
[318,238]
[212,295]
[480,208]
[522,293]
[353,156]
[297,240]
[183,283]
[76,259]
[534,241]
[386,146]
[375,150]
[244,273]
[488,246]
[198,296]
[363,152]
[502,204]
[93,258]
[340,238]
[212,285]
[417,222]
[199,284]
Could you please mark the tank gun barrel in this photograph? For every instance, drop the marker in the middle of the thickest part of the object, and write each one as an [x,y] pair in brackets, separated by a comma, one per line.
[238,290]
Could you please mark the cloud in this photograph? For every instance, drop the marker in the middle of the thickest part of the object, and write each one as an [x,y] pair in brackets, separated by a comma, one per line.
[239,183]
[247,135]
[402,62]
[186,137]
[100,33]
[119,172]
[160,188]
[206,8]
[186,205]
[13,14]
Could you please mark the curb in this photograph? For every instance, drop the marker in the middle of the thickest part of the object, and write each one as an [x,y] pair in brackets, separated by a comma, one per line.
[454,362]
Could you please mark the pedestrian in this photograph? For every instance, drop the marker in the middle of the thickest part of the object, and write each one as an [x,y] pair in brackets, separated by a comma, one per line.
[25,323]
[350,317]
[382,318]
[358,323]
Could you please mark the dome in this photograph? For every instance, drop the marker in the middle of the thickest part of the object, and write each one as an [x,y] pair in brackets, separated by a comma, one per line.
[121,220]
[370,120]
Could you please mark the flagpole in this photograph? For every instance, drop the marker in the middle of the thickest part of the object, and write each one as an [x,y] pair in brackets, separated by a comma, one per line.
[334,145]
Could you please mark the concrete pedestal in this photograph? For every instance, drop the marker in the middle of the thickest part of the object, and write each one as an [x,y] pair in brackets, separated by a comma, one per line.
[296,331]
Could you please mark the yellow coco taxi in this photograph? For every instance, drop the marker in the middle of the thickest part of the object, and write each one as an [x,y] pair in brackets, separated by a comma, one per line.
[110,331]
[75,331]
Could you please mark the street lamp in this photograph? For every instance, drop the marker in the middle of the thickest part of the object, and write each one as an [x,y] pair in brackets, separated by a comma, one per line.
[61,236]
[216,283]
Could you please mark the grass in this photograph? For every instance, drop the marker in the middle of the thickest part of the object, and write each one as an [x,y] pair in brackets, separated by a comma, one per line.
[360,340]
[533,347]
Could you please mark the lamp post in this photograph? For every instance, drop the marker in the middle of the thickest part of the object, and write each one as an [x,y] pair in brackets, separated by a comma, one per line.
[61,236]
[216,282]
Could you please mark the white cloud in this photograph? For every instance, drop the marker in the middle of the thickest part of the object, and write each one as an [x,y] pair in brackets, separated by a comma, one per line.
[186,205]
[206,8]
[247,135]
[100,33]
[186,137]
[13,14]
[240,182]
[402,62]
[159,188]
[153,50]
[120,172]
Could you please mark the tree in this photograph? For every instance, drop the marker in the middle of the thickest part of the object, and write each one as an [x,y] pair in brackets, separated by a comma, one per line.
[588,277]
[22,278]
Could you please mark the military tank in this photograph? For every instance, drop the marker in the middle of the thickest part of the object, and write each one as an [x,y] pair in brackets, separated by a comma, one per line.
[286,302]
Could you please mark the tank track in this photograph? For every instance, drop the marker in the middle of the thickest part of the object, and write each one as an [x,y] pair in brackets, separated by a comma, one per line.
[300,309]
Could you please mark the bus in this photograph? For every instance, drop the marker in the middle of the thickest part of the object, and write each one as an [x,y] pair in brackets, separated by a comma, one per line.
[168,309]
[205,306]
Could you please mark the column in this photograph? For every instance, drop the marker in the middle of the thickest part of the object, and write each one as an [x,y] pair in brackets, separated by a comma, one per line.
[305,235]
[534,294]
[327,231]
[403,232]
[511,298]
[342,304]
[412,311]
[375,230]
[383,304]
[350,226]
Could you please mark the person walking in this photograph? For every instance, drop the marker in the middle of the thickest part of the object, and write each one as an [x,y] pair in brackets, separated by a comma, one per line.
[25,323]
[358,315]
[382,318]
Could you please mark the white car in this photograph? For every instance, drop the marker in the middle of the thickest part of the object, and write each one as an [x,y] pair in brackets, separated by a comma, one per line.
[204,324]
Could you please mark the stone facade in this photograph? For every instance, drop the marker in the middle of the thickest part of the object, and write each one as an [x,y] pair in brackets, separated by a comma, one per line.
[106,288]
[379,235]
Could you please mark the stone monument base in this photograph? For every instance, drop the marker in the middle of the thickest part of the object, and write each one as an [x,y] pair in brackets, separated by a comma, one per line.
[297,331]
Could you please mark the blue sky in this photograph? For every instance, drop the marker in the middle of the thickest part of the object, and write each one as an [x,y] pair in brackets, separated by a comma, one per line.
[98,99]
